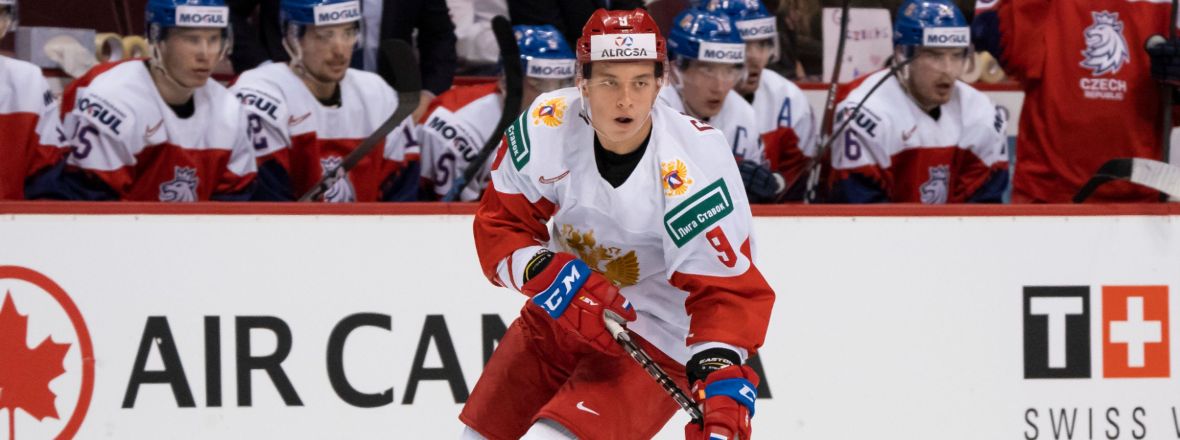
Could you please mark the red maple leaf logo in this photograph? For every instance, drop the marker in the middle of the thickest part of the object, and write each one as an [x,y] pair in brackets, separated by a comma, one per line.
[25,373]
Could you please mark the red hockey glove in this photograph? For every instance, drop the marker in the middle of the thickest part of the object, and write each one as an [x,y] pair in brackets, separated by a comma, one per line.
[726,396]
[575,297]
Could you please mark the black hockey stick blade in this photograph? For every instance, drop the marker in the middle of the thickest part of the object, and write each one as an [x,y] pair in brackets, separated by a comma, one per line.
[1153,174]
[396,65]
[510,57]
[614,325]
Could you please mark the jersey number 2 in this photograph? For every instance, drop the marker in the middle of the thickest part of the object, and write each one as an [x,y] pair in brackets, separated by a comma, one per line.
[720,242]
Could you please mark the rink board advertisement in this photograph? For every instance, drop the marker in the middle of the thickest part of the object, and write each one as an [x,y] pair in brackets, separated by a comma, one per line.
[377,326]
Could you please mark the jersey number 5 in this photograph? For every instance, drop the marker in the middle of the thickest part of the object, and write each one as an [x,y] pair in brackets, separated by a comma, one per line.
[720,243]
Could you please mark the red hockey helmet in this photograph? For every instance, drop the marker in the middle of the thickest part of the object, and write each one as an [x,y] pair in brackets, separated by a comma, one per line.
[621,36]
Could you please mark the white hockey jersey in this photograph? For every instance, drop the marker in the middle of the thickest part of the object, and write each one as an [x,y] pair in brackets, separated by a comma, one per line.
[894,151]
[458,123]
[735,120]
[786,125]
[675,236]
[297,139]
[29,125]
[126,136]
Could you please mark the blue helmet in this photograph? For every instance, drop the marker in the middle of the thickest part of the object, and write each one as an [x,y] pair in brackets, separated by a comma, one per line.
[752,19]
[700,35]
[187,13]
[930,23]
[319,12]
[543,52]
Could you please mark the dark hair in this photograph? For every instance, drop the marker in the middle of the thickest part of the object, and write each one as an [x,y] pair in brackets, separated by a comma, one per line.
[586,70]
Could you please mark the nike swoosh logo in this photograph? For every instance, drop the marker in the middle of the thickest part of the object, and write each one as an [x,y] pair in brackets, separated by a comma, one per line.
[582,406]
[552,180]
[293,121]
[151,131]
[905,136]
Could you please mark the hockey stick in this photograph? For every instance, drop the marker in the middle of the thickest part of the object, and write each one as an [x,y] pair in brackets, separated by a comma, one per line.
[1160,176]
[395,64]
[814,168]
[1167,95]
[510,56]
[621,336]
[1166,100]
[814,163]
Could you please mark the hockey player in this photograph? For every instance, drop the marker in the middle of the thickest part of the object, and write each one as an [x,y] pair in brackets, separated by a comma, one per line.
[461,120]
[708,60]
[28,117]
[923,136]
[783,115]
[158,129]
[650,221]
[1089,95]
[307,115]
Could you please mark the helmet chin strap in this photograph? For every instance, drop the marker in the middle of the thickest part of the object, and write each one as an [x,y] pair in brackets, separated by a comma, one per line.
[157,63]
[297,65]
[678,85]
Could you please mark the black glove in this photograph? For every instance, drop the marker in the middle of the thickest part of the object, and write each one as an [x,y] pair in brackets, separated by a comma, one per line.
[762,184]
[1165,59]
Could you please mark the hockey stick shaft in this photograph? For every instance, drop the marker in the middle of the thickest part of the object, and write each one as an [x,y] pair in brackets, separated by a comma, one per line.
[814,167]
[407,81]
[1166,101]
[612,321]
[510,54]
[813,163]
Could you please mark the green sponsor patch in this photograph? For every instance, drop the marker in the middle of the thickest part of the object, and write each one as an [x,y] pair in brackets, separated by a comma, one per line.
[697,213]
[518,141]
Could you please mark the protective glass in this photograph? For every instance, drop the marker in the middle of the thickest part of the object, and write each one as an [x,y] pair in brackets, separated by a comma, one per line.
[219,43]
[705,74]
[950,60]
[615,87]
[545,85]
[318,37]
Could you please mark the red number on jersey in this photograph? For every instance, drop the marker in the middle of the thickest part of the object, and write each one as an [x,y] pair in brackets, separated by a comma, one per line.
[700,126]
[719,242]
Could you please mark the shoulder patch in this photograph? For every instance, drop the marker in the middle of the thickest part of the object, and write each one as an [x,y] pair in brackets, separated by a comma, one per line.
[551,112]
[674,174]
[518,142]
[864,121]
[102,112]
[703,209]
[259,102]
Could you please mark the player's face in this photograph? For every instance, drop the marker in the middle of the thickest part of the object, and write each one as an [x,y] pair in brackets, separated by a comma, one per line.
[706,84]
[191,54]
[621,95]
[757,57]
[534,87]
[933,72]
[327,50]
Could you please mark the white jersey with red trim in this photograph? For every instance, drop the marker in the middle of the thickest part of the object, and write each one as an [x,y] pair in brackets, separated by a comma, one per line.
[296,138]
[675,236]
[458,123]
[905,154]
[29,123]
[780,104]
[735,120]
[786,124]
[124,134]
